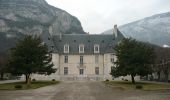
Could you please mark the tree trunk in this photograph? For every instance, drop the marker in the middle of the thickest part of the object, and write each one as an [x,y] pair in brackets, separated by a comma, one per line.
[26,78]
[159,74]
[2,76]
[133,79]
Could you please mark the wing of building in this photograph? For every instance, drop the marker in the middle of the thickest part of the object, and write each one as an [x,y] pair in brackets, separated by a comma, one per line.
[83,56]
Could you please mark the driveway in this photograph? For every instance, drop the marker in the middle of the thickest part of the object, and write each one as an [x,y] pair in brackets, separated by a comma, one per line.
[83,91]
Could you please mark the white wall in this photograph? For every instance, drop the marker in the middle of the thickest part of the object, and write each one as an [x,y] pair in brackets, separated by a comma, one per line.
[74,64]
[107,65]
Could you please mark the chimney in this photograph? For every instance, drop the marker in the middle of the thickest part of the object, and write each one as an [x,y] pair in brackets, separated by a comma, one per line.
[115,31]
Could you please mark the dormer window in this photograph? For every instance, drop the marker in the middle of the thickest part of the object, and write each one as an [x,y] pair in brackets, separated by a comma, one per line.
[81,48]
[96,48]
[66,48]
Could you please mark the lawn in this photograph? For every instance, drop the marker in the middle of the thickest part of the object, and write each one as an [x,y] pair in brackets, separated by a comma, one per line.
[34,85]
[146,85]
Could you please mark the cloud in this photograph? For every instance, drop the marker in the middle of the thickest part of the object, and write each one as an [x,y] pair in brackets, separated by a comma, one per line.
[97,16]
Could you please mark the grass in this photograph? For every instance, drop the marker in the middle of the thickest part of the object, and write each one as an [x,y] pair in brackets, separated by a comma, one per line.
[146,85]
[34,85]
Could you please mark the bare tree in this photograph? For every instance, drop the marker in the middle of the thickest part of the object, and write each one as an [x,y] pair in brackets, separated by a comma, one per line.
[162,62]
[3,64]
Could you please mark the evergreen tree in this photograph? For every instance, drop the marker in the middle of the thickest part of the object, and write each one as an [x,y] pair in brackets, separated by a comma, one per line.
[30,56]
[133,58]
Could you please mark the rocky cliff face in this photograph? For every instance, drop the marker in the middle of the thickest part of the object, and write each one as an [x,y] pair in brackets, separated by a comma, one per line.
[18,17]
[154,29]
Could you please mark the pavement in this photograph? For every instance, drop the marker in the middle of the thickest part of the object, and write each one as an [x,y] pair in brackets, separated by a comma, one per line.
[83,91]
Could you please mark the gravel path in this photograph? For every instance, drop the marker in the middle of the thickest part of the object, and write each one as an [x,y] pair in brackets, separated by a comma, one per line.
[83,91]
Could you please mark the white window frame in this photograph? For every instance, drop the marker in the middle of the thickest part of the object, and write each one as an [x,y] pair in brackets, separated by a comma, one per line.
[66,48]
[65,59]
[81,59]
[81,46]
[112,59]
[96,46]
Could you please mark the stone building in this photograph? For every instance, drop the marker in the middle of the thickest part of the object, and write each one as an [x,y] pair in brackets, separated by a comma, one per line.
[83,56]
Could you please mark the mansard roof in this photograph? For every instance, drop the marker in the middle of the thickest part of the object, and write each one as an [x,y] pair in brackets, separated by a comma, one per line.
[106,42]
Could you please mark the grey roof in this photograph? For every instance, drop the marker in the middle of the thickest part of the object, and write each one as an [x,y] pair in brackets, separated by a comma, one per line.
[106,42]
[46,37]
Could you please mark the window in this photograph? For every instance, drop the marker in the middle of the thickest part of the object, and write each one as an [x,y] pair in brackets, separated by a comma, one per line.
[65,70]
[81,59]
[96,59]
[81,71]
[96,48]
[97,70]
[81,48]
[65,59]
[66,48]
[112,58]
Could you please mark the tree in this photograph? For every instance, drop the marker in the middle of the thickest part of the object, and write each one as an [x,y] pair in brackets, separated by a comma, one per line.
[162,62]
[3,64]
[30,56]
[133,58]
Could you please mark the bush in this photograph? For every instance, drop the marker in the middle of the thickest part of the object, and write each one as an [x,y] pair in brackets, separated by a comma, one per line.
[18,86]
[126,80]
[33,80]
[107,80]
[139,86]
[53,80]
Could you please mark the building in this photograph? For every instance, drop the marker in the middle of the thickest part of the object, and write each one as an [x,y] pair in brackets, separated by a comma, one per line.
[83,56]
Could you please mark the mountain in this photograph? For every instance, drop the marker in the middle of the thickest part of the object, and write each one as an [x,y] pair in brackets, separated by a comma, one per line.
[154,29]
[19,17]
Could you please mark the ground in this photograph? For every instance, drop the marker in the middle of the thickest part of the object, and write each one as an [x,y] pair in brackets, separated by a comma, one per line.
[83,91]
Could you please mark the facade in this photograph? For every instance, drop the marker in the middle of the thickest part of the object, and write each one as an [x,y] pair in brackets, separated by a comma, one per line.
[83,56]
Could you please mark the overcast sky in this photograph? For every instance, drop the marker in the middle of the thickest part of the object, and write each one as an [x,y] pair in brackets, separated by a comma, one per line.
[97,16]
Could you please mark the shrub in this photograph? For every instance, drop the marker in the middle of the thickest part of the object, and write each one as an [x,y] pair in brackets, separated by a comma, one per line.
[18,86]
[53,80]
[139,86]
[107,80]
[33,80]
[126,80]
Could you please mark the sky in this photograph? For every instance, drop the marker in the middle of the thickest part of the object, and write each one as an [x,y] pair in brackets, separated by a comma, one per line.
[97,16]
